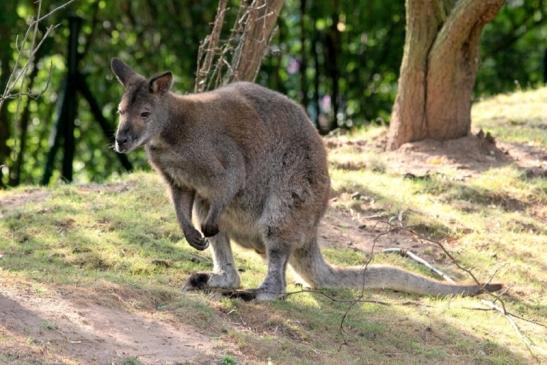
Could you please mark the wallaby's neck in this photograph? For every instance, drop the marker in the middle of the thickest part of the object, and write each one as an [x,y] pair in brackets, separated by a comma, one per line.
[177,104]
[181,108]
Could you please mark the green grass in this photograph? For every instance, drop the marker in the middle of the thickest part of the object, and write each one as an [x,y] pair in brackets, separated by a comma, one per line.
[122,239]
[517,117]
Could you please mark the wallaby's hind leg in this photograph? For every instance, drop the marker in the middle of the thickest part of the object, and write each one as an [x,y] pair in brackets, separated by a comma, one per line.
[273,286]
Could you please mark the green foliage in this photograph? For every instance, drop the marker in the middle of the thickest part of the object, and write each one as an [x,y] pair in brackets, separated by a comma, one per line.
[357,46]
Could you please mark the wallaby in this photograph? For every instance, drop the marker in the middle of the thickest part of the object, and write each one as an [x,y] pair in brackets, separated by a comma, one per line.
[250,165]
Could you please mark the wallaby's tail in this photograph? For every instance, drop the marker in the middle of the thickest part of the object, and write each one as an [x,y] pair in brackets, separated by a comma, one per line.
[309,263]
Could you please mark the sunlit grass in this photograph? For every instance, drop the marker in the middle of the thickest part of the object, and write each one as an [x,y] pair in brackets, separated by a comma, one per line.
[518,117]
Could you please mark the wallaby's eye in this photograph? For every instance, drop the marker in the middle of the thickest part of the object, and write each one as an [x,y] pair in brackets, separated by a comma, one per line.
[145,114]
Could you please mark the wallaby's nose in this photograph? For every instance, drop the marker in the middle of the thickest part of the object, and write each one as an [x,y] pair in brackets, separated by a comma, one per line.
[121,140]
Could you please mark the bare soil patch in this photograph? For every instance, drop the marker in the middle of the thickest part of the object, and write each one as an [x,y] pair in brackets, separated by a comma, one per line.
[13,201]
[68,328]
[470,155]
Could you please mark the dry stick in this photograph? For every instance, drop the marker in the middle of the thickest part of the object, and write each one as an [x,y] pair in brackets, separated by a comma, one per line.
[55,10]
[236,37]
[502,309]
[510,314]
[247,20]
[30,94]
[492,306]
[211,41]
[418,259]
[213,53]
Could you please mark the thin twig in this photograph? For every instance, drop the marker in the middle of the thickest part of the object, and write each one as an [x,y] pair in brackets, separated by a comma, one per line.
[502,308]
[362,293]
[17,74]
[525,339]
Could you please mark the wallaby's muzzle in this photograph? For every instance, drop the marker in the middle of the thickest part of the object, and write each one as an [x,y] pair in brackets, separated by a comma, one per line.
[124,141]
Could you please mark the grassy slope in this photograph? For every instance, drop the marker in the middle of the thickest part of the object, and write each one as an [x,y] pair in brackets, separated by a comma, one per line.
[122,238]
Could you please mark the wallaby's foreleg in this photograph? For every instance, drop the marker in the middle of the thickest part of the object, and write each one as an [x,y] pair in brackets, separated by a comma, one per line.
[224,273]
[218,201]
[183,199]
[209,227]
[227,180]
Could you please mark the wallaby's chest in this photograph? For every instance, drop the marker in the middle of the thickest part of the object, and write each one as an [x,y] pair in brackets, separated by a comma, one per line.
[176,167]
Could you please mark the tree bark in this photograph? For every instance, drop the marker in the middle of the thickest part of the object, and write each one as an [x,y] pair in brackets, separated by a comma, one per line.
[239,57]
[438,69]
[259,27]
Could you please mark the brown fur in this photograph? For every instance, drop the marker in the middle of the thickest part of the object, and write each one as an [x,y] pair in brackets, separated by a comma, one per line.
[254,170]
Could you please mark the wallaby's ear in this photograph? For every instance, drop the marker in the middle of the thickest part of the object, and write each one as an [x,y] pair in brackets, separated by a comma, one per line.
[123,72]
[161,83]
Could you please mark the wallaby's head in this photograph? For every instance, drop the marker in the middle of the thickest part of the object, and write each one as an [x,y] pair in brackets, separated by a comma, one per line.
[143,109]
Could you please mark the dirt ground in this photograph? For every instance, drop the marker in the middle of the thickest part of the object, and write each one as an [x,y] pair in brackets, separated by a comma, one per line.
[92,333]
[57,326]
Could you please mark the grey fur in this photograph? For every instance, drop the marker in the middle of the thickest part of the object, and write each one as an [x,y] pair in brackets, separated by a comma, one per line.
[255,171]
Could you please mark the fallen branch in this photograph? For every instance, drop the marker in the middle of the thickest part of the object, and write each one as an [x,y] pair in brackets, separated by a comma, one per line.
[418,259]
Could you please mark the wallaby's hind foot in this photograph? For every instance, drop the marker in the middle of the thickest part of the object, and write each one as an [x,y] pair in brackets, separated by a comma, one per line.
[210,281]
[260,294]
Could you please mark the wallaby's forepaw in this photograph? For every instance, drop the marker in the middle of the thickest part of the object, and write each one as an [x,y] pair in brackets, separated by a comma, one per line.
[209,229]
[197,241]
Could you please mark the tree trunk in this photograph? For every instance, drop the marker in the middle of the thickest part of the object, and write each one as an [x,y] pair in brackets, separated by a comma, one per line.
[239,57]
[260,24]
[438,69]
